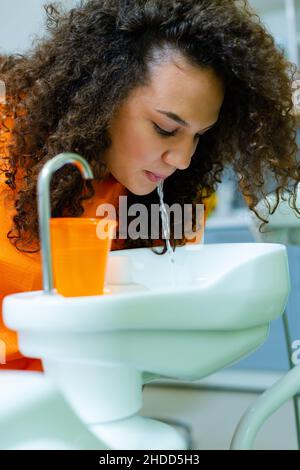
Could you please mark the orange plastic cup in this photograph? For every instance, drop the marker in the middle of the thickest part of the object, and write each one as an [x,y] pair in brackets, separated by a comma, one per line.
[80,248]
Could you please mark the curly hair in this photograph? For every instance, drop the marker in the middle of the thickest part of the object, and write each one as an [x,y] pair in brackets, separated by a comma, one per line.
[63,93]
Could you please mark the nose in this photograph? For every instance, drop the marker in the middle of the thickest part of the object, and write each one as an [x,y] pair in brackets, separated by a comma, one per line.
[179,157]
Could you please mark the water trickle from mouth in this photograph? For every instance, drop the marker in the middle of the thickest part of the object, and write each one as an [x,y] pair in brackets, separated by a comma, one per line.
[166,230]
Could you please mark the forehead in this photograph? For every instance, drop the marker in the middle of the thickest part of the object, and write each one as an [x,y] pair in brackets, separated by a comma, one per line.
[192,92]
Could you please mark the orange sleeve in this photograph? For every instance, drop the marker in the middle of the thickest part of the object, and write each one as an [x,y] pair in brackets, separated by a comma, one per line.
[18,272]
[17,275]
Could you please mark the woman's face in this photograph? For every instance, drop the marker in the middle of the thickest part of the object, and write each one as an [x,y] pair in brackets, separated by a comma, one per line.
[156,129]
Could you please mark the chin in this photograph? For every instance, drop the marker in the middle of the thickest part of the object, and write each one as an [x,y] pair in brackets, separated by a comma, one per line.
[140,191]
[140,188]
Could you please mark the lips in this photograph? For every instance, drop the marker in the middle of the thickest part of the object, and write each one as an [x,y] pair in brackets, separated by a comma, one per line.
[155,177]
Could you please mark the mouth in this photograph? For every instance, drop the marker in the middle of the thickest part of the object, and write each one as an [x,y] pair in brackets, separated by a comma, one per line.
[154,177]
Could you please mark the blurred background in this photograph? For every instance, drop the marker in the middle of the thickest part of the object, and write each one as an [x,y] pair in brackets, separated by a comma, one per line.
[21,23]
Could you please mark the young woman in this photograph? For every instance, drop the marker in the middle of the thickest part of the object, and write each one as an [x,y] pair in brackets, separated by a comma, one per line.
[142,89]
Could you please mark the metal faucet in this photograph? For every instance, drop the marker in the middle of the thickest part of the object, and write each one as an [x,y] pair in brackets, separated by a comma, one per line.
[44,209]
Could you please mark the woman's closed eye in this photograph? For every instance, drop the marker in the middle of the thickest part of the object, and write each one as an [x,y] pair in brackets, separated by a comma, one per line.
[165,133]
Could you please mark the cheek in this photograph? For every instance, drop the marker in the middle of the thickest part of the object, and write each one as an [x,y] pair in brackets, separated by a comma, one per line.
[142,155]
[143,150]
[135,146]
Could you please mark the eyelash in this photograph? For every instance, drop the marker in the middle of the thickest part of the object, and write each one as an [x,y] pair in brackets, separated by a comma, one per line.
[164,133]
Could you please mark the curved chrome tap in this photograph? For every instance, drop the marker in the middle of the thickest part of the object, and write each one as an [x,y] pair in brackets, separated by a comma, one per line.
[44,209]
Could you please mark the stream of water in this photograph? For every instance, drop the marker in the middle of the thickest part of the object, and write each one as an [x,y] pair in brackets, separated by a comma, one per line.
[166,232]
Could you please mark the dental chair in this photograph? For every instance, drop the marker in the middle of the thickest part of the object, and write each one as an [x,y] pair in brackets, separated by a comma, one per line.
[267,404]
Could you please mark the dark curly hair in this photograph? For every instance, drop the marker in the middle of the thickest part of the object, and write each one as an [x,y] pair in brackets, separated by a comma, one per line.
[65,90]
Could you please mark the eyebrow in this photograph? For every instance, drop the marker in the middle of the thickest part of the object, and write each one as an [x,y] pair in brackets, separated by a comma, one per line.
[178,119]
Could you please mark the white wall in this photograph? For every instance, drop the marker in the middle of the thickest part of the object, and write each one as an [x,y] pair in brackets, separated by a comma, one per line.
[21,21]
[273,15]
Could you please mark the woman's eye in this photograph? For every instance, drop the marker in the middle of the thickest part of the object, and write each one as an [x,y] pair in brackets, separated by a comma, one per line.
[163,132]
